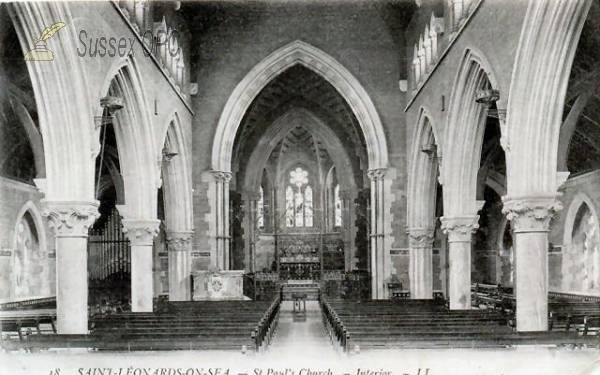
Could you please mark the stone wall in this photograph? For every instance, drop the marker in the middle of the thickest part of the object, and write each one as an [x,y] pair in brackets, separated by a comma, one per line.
[36,268]
[356,36]
[567,265]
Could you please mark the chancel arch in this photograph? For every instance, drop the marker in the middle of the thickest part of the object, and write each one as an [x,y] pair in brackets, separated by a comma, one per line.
[341,79]
[361,109]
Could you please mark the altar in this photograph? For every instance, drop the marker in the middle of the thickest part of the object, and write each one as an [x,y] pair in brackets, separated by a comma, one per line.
[218,285]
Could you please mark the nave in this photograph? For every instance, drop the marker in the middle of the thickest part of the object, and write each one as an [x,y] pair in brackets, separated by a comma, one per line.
[424,173]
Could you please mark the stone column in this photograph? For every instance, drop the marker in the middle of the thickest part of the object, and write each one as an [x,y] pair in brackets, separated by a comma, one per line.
[141,233]
[421,262]
[221,180]
[460,231]
[530,218]
[179,245]
[252,197]
[378,256]
[345,229]
[70,222]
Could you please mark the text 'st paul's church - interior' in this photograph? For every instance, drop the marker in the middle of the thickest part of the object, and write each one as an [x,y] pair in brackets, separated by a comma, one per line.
[439,158]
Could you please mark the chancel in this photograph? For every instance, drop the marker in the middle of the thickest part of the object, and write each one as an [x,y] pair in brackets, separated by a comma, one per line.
[334,176]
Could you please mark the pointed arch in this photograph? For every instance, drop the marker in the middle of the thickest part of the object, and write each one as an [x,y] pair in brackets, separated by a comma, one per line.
[466,127]
[279,129]
[176,178]
[30,208]
[136,145]
[337,75]
[538,87]
[423,173]
[576,204]
[67,135]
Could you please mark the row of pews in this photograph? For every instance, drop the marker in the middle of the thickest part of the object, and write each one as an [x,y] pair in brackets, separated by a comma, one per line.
[566,311]
[20,319]
[246,326]
[354,326]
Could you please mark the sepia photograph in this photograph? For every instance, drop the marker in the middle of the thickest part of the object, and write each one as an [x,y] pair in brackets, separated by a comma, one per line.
[300,187]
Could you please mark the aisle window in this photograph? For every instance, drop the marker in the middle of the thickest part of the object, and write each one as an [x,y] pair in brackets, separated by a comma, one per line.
[338,206]
[261,208]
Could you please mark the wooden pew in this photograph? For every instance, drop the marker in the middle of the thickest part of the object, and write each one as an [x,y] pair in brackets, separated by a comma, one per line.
[13,322]
[418,324]
[223,325]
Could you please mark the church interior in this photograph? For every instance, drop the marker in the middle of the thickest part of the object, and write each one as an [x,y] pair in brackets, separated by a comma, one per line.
[215,175]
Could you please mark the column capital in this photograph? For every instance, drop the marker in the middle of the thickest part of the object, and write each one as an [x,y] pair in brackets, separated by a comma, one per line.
[460,228]
[221,176]
[420,237]
[179,241]
[141,232]
[376,174]
[70,218]
[530,214]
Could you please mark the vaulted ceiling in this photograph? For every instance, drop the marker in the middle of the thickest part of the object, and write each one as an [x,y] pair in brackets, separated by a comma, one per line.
[299,138]
[299,87]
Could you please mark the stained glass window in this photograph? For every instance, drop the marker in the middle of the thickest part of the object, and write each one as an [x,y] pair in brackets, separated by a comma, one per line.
[289,207]
[261,208]
[308,206]
[338,206]
[298,200]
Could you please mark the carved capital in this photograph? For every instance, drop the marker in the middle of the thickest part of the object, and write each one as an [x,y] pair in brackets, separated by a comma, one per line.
[141,232]
[221,176]
[420,237]
[70,219]
[377,174]
[179,241]
[460,228]
[530,214]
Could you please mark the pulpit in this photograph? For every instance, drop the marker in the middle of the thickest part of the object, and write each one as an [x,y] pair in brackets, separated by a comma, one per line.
[218,285]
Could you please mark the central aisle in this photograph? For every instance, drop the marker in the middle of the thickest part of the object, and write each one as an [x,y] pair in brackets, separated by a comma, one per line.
[305,338]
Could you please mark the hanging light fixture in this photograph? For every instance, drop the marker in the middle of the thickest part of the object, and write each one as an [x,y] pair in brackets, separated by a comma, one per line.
[168,155]
[110,105]
[430,150]
[489,97]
